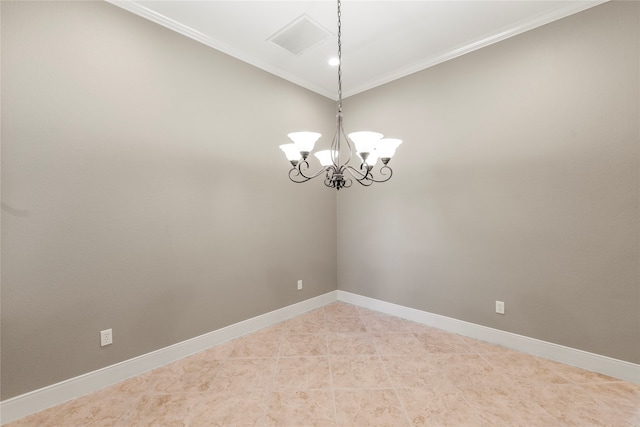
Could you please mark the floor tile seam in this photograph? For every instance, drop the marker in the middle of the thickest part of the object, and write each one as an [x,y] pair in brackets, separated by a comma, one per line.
[331,387]
[130,412]
[400,400]
[264,390]
[591,383]
[121,420]
[305,356]
[133,403]
[172,392]
[230,359]
[541,408]
[633,400]
[288,334]
[493,364]
[265,410]
[359,355]
[391,387]
[341,316]
[537,404]
[499,371]
[196,410]
[326,345]
[333,394]
[417,343]
[294,388]
[281,339]
[395,391]
[375,345]
[556,370]
[477,408]
[269,388]
[457,391]
[607,402]
[129,407]
[609,382]
[271,383]
[553,417]
[454,350]
[133,413]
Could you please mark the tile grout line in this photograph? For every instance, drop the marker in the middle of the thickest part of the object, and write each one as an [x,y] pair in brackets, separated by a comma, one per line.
[271,385]
[332,388]
[395,390]
[379,356]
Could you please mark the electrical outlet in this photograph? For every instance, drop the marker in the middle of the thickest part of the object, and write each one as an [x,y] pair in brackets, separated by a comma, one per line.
[500,307]
[299,285]
[106,337]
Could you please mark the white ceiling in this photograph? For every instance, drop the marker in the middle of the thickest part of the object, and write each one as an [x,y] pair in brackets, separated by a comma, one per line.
[381,40]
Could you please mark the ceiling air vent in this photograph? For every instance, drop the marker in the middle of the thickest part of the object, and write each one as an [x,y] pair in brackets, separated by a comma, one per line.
[301,34]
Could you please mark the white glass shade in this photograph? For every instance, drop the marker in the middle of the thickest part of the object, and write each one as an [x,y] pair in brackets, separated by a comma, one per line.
[372,158]
[387,147]
[365,141]
[304,140]
[291,151]
[324,157]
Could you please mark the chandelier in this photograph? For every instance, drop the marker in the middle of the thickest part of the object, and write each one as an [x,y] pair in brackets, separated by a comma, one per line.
[338,173]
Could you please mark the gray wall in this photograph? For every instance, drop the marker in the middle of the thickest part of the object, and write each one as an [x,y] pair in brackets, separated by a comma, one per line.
[518,181]
[143,190]
[122,207]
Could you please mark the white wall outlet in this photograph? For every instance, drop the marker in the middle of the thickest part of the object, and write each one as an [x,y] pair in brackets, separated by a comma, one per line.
[106,337]
[299,285]
[500,307]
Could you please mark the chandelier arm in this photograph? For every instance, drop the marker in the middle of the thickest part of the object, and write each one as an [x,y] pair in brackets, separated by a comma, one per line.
[294,175]
[364,182]
[382,172]
[357,174]
[363,178]
[367,178]
[297,171]
[315,175]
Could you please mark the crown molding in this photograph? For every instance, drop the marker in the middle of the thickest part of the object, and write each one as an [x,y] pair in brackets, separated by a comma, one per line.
[144,12]
[473,45]
[489,39]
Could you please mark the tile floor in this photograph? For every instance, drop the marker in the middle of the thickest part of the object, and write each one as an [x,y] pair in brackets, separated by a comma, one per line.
[346,366]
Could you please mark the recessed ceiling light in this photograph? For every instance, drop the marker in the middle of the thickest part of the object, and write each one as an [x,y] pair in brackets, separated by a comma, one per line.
[334,62]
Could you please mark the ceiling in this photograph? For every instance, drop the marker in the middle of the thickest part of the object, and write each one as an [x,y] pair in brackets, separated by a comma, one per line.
[381,40]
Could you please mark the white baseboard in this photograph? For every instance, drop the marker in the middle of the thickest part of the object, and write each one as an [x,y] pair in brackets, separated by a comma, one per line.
[55,394]
[582,359]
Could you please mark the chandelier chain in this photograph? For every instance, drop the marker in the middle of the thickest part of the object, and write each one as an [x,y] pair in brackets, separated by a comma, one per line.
[339,57]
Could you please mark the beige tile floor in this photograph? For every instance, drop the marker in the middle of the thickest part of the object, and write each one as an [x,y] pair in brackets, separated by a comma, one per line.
[346,366]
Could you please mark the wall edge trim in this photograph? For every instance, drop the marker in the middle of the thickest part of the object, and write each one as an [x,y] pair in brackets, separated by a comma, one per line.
[35,401]
[616,368]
